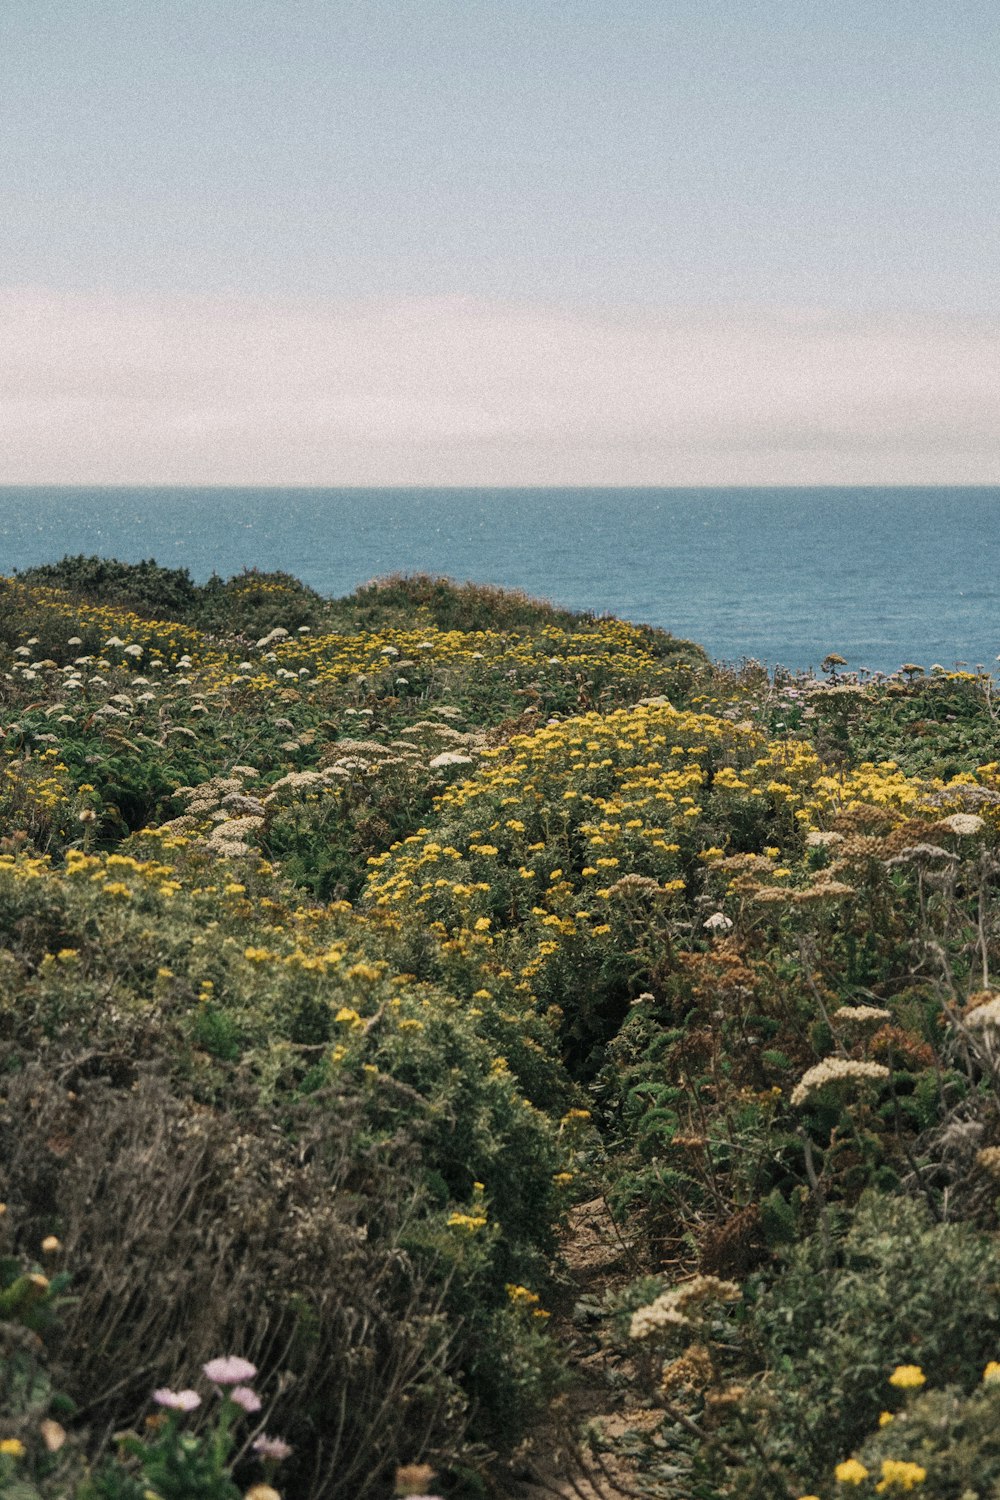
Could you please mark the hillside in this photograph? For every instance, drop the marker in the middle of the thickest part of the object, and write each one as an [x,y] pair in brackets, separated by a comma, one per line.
[366,961]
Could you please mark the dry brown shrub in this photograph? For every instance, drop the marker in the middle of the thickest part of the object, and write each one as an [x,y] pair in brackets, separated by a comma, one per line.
[733,1246]
[192,1233]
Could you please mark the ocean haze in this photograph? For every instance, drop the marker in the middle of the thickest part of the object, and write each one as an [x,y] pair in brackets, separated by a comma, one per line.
[428,242]
[189,390]
[882,576]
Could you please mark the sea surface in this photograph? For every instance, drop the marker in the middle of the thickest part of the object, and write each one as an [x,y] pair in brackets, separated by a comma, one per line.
[881,576]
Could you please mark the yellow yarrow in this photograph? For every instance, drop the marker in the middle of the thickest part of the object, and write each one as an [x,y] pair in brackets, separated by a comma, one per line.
[469,1222]
[850,1472]
[12,1447]
[898,1474]
[992,1372]
[907,1377]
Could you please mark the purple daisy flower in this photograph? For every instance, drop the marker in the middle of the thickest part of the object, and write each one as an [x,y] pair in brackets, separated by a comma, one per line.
[176,1400]
[230,1370]
[271,1447]
[245,1397]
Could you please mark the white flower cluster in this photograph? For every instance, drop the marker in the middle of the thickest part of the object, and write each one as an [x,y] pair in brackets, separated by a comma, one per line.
[862,1015]
[987,1014]
[672,1308]
[835,1070]
[963,823]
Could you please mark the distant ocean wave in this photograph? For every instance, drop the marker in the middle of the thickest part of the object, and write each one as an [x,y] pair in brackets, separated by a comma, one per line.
[880,576]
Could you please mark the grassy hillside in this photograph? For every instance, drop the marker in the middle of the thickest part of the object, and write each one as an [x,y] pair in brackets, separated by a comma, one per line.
[348,945]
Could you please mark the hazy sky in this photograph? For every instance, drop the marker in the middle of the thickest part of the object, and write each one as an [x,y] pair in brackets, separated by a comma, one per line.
[499,241]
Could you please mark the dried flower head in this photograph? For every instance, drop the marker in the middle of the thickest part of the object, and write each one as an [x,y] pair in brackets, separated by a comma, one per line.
[836,1070]
[413,1478]
[53,1434]
[985,1015]
[673,1308]
[963,823]
[862,1015]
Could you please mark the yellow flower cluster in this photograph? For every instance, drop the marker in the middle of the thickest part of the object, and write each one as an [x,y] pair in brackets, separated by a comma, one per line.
[907,1377]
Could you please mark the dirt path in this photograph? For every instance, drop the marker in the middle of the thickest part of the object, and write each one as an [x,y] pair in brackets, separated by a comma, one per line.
[553,1462]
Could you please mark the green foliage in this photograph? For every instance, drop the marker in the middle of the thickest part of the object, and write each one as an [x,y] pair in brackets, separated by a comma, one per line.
[751,922]
[144,586]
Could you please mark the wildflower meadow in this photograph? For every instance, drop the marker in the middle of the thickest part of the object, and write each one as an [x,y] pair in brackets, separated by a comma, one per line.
[365,962]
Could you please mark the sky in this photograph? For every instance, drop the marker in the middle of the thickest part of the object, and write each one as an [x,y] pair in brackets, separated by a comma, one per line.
[499,242]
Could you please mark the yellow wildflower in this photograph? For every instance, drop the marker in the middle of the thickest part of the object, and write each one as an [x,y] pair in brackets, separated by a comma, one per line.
[898,1474]
[348,1016]
[850,1472]
[884,1418]
[907,1377]
[992,1372]
[12,1447]
[469,1222]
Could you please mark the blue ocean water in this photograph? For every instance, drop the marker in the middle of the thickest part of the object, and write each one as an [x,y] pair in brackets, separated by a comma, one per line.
[882,576]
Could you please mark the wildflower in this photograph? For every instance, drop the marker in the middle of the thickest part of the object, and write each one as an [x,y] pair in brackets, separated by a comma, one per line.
[833,1069]
[229,1370]
[718,922]
[987,1014]
[53,1435]
[261,1492]
[413,1477]
[907,1377]
[963,823]
[671,1308]
[991,1373]
[861,1015]
[898,1474]
[245,1398]
[12,1447]
[850,1472]
[469,1222]
[274,1448]
[884,1418]
[50,1245]
[176,1400]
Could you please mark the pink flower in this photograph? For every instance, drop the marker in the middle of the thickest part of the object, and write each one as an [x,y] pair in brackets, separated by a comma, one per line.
[229,1371]
[271,1447]
[245,1397]
[177,1400]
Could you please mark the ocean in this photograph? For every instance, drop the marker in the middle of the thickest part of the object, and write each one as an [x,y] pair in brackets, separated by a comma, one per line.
[880,576]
